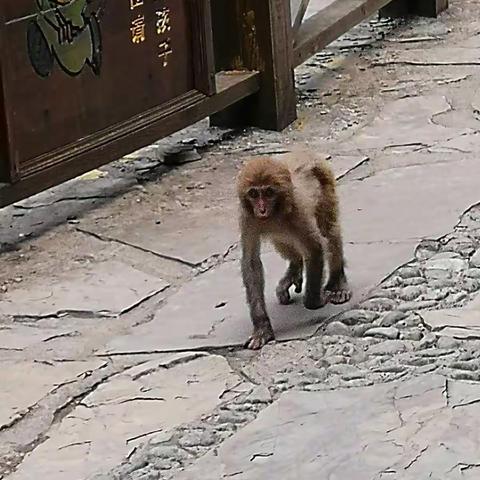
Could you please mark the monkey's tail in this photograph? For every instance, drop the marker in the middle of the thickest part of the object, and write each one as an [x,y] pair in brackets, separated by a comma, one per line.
[324,174]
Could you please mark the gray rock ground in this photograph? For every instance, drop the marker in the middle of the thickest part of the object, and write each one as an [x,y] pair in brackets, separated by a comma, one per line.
[122,312]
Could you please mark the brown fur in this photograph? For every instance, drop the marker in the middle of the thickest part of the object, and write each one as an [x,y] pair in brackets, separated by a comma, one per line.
[302,226]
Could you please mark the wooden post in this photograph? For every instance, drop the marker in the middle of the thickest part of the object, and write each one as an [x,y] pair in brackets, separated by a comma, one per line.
[423,8]
[257,35]
[395,9]
[428,8]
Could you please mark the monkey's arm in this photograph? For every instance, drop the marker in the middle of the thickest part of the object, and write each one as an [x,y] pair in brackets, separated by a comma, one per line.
[254,282]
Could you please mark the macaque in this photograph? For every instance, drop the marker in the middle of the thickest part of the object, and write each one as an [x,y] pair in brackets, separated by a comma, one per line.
[292,202]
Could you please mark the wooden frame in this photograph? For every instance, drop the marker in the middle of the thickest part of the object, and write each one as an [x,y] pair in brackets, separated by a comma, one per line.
[257,35]
[212,92]
[245,52]
[204,83]
[148,127]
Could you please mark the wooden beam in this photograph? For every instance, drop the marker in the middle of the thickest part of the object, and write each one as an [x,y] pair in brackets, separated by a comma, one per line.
[302,10]
[257,35]
[330,23]
[148,127]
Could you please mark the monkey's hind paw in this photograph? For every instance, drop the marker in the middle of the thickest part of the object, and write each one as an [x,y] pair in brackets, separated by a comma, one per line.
[339,296]
[283,295]
[259,338]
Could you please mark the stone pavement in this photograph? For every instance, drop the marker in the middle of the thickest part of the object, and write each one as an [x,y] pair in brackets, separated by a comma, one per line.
[122,311]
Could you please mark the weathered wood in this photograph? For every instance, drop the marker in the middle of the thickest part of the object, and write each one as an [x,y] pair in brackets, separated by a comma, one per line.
[257,35]
[300,15]
[395,9]
[428,8]
[204,63]
[424,8]
[118,63]
[330,23]
[141,131]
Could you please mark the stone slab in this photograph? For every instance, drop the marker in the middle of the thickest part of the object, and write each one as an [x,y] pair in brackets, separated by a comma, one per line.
[408,204]
[129,409]
[406,431]
[193,237]
[464,55]
[406,125]
[188,238]
[343,164]
[24,383]
[382,223]
[21,336]
[459,323]
[107,288]
[210,311]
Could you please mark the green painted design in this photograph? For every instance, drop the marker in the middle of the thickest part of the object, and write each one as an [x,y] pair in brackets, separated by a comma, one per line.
[67,31]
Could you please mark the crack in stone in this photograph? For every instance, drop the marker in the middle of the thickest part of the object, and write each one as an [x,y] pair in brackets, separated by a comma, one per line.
[63,408]
[417,457]
[386,63]
[422,145]
[121,402]
[450,108]
[215,259]
[61,335]
[464,466]
[260,455]
[64,199]
[142,435]
[75,444]
[107,239]
[446,392]
[234,474]
[171,364]
[362,163]
[87,314]
[466,404]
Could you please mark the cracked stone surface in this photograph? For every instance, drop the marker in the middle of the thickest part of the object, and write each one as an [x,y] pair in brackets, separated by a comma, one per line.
[108,288]
[188,239]
[25,383]
[83,299]
[378,234]
[461,323]
[400,430]
[109,423]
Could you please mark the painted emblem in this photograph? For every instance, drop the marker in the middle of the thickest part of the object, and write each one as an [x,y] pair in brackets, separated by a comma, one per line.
[67,31]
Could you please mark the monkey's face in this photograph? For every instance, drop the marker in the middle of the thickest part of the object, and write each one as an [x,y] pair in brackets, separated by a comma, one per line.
[263,201]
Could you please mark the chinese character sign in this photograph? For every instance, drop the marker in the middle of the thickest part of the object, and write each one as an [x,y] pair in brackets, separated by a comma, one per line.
[140,28]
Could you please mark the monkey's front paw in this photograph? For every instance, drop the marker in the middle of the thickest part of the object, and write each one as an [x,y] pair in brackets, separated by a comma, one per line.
[259,338]
[339,296]
[313,303]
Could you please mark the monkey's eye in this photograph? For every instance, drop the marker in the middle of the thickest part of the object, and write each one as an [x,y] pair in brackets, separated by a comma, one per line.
[269,192]
[253,193]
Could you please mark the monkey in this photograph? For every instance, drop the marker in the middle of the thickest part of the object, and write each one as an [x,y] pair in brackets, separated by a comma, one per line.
[292,202]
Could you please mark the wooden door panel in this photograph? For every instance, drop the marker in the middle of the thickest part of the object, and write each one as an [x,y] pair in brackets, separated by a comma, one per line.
[77,67]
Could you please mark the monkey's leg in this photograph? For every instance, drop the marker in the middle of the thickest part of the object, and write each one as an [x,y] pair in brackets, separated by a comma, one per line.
[293,275]
[253,279]
[313,298]
[337,288]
